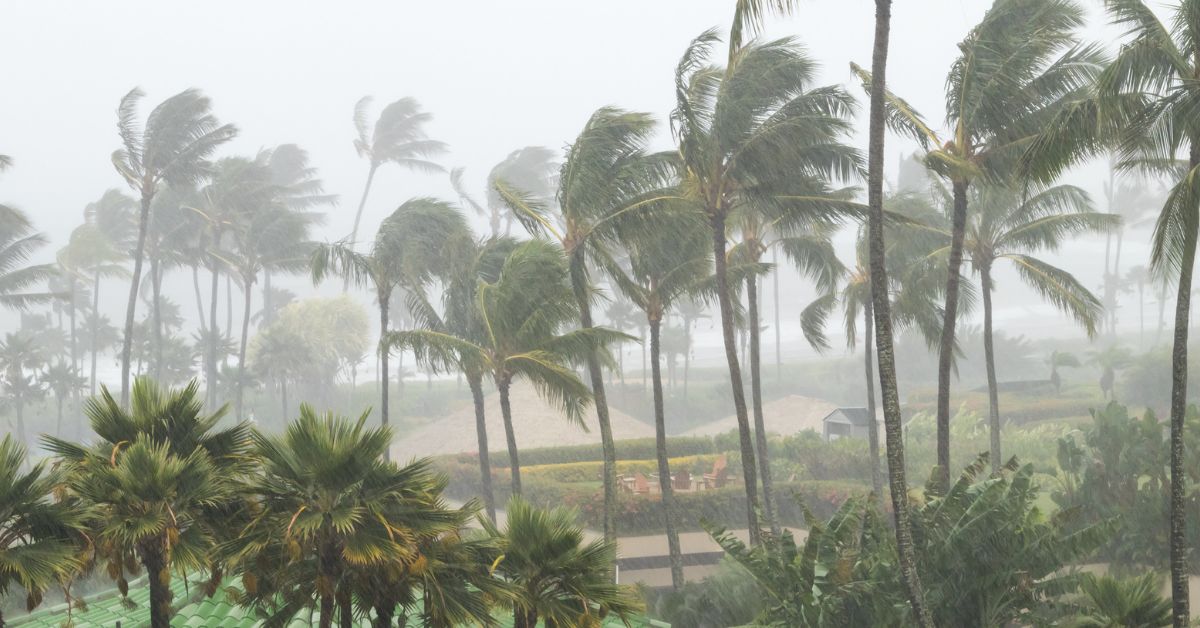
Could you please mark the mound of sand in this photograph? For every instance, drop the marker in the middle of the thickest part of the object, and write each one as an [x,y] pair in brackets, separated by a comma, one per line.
[787,415]
[536,424]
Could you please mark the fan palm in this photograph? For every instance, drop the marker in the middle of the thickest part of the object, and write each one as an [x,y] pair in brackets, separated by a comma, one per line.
[1121,603]
[667,260]
[1021,66]
[160,481]
[1013,227]
[170,148]
[530,169]
[409,248]
[398,137]
[756,137]
[522,314]
[606,177]
[20,357]
[37,548]
[558,579]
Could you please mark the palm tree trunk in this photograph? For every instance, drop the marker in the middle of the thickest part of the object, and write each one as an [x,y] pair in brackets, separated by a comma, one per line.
[267,303]
[228,311]
[345,610]
[579,285]
[19,408]
[384,299]
[883,321]
[95,348]
[156,288]
[514,461]
[872,421]
[158,576]
[664,468]
[760,428]
[949,317]
[362,203]
[1112,311]
[475,382]
[199,296]
[717,220]
[58,419]
[241,383]
[213,332]
[1179,373]
[989,357]
[71,322]
[385,616]
[131,305]
[775,302]
[687,355]
[283,398]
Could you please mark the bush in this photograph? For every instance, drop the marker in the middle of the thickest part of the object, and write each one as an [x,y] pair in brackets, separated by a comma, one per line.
[632,449]
[591,471]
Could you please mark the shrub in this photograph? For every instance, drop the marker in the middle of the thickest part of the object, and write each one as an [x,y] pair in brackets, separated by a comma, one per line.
[632,449]
[591,471]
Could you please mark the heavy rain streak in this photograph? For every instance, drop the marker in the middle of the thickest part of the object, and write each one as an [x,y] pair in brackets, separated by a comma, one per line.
[669,313]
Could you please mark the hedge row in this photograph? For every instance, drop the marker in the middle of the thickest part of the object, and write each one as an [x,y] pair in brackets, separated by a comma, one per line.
[591,471]
[632,449]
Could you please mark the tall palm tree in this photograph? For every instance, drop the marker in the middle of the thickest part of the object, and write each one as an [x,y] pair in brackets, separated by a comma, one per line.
[523,314]
[1132,198]
[37,549]
[88,256]
[114,217]
[666,260]
[531,169]
[21,356]
[170,148]
[18,242]
[606,177]
[881,305]
[1021,66]
[64,382]
[755,135]
[1007,225]
[408,249]
[559,580]
[160,480]
[100,336]
[398,137]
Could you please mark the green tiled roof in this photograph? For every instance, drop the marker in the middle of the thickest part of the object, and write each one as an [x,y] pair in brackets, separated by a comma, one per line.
[104,610]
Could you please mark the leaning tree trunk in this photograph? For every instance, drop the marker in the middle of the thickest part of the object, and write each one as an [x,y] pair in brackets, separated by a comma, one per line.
[384,304]
[514,460]
[579,284]
[664,467]
[131,305]
[872,421]
[1179,373]
[949,317]
[760,428]
[213,332]
[475,382]
[241,383]
[199,296]
[362,203]
[989,357]
[158,575]
[883,322]
[717,220]
[95,348]
[156,315]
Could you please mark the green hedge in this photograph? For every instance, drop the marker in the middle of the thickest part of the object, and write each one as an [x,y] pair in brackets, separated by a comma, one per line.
[591,471]
[632,449]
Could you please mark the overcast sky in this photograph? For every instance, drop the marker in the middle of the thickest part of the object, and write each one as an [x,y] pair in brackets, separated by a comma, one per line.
[497,75]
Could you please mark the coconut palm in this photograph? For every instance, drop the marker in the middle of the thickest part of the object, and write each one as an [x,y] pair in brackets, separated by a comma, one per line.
[170,148]
[1010,226]
[531,169]
[1021,66]
[398,137]
[1134,199]
[37,549]
[1057,360]
[606,177]
[523,314]
[21,356]
[114,217]
[63,381]
[160,482]
[666,260]
[408,249]
[100,336]
[558,579]
[18,242]
[88,256]
[755,136]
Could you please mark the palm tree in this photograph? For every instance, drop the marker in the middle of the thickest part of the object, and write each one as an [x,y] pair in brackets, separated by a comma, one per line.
[398,137]
[37,549]
[558,578]
[1010,226]
[531,169]
[171,148]
[1116,603]
[1022,65]
[100,335]
[667,260]
[1057,360]
[20,357]
[1132,198]
[160,482]
[18,242]
[408,250]
[607,177]
[1110,360]
[523,313]
[332,511]
[1138,277]
[881,306]
[113,217]
[88,256]
[755,136]
[64,382]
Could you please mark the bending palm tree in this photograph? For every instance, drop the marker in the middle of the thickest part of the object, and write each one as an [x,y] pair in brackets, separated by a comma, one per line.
[522,314]
[530,169]
[170,148]
[20,356]
[1007,227]
[1017,69]
[113,217]
[18,242]
[754,136]
[409,247]
[606,178]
